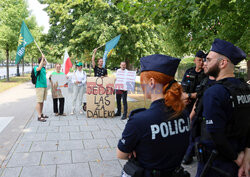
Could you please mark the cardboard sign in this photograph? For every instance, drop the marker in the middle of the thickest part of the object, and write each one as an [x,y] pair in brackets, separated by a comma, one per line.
[100,97]
[125,80]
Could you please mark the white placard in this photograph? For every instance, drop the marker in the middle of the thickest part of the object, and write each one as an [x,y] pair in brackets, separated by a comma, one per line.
[125,80]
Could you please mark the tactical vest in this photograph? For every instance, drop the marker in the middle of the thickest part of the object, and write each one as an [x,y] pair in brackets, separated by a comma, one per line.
[239,124]
[192,80]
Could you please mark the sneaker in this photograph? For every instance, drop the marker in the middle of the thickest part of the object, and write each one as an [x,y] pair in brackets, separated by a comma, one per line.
[56,114]
[72,112]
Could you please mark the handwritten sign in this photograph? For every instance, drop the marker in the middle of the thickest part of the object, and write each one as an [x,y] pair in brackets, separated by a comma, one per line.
[125,80]
[100,97]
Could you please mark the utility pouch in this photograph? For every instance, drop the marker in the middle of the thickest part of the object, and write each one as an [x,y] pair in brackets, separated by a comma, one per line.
[132,169]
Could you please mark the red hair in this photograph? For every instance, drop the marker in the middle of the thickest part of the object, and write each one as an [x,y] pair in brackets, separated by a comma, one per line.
[173,95]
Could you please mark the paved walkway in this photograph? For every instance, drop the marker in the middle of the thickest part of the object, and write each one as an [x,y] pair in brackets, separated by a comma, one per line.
[70,146]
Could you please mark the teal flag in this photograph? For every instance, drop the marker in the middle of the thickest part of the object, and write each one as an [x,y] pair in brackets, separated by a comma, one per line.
[109,47]
[25,38]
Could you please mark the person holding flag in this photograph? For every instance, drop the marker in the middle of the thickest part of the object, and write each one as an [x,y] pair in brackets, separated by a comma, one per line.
[109,47]
[25,39]
[41,88]
[99,70]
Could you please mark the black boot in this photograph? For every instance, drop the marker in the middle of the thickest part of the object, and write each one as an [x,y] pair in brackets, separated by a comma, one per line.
[187,160]
[118,113]
[124,116]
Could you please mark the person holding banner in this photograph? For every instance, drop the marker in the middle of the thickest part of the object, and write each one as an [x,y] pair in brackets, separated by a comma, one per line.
[153,135]
[121,94]
[98,70]
[79,87]
[57,93]
[41,88]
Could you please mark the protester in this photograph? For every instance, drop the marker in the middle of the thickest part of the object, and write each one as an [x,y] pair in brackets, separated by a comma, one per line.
[41,88]
[99,71]
[56,93]
[154,135]
[225,114]
[121,94]
[79,87]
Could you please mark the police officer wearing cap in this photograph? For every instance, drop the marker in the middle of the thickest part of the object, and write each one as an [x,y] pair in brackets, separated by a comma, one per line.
[226,114]
[191,83]
[192,78]
[158,136]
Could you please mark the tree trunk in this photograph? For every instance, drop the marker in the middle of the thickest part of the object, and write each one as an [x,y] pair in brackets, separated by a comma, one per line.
[248,70]
[129,67]
[23,67]
[7,64]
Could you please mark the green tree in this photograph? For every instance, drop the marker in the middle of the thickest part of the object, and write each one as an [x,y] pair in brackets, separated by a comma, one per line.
[84,25]
[11,16]
[191,25]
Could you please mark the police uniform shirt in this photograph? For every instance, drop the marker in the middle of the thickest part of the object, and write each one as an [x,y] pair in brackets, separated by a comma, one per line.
[217,110]
[158,143]
[100,71]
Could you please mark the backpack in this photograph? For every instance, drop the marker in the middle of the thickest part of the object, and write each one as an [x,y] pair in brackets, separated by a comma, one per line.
[33,76]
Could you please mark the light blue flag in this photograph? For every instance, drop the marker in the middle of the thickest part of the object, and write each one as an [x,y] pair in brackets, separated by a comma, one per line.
[110,45]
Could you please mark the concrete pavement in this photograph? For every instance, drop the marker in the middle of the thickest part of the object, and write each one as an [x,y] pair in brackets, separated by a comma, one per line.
[64,146]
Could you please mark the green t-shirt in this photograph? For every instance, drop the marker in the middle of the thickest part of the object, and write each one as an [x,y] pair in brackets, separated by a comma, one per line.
[41,81]
[56,73]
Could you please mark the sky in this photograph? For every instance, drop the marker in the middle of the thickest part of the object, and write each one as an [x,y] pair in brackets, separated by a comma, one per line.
[42,17]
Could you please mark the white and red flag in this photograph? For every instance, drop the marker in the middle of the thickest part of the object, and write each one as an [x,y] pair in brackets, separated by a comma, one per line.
[66,63]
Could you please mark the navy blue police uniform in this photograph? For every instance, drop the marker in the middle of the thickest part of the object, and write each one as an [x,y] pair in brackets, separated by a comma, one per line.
[191,82]
[219,115]
[159,142]
[192,79]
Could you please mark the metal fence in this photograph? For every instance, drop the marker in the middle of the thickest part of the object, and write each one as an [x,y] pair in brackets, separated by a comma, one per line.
[28,72]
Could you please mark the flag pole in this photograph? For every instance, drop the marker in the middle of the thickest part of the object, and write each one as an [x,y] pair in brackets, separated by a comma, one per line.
[40,51]
[101,46]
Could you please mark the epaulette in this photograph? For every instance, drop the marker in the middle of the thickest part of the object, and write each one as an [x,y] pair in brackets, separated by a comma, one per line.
[136,111]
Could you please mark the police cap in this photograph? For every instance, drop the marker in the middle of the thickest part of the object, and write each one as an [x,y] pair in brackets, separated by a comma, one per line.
[227,49]
[200,54]
[161,63]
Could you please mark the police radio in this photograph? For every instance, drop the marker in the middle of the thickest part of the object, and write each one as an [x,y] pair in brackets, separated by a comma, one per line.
[188,84]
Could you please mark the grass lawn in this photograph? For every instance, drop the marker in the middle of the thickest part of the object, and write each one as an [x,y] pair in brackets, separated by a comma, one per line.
[140,103]
[14,81]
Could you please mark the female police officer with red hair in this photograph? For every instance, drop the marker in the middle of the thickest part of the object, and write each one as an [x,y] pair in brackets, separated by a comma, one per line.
[158,136]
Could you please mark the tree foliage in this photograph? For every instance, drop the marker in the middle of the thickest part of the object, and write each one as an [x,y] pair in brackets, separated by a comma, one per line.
[84,25]
[194,24]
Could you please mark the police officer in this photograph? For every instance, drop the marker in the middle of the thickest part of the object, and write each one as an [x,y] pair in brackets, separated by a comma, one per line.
[226,112]
[190,83]
[192,78]
[155,134]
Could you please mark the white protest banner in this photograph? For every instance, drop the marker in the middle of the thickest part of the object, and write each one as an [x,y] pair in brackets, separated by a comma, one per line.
[100,97]
[125,80]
